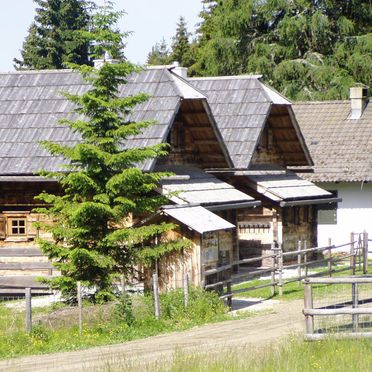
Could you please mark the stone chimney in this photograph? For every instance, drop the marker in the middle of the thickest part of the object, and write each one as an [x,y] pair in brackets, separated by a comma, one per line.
[98,63]
[178,70]
[359,100]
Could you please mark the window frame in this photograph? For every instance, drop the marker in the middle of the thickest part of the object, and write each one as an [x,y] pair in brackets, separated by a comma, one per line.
[18,226]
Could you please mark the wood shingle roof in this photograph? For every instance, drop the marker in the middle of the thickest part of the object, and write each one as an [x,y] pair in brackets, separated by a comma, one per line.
[340,148]
[31,104]
[241,106]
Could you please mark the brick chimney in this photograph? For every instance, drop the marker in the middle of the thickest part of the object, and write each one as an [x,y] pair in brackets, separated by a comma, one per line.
[359,100]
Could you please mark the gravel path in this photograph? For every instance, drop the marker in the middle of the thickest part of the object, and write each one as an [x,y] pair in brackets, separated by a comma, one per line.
[257,331]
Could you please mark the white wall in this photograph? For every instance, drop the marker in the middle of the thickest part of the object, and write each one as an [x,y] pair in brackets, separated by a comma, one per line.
[354,213]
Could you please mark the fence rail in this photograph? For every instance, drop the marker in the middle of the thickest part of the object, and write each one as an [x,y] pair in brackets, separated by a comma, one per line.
[339,309]
[280,261]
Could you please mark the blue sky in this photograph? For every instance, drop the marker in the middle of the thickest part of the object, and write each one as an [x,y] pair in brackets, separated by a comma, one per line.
[148,20]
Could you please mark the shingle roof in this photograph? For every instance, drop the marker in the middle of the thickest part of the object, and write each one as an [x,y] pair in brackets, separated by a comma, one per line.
[287,186]
[197,187]
[198,218]
[340,148]
[241,106]
[31,105]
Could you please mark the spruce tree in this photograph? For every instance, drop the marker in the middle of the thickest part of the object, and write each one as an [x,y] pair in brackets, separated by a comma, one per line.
[103,190]
[54,37]
[159,54]
[306,49]
[181,47]
[104,34]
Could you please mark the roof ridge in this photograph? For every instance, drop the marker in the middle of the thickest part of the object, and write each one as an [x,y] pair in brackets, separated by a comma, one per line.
[175,76]
[232,77]
[335,102]
[53,71]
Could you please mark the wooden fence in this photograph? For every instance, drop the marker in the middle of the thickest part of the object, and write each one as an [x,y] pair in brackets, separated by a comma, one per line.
[336,309]
[302,260]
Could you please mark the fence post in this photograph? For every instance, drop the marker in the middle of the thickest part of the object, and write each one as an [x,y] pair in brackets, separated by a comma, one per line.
[155,283]
[229,292]
[305,258]
[185,289]
[273,259]
[280,259]
[299,262]
[308,304]
[365,252]
[355,300]
[360,251]
[122,283]
[80,307]
[330,257]
[352,254]
[28,310]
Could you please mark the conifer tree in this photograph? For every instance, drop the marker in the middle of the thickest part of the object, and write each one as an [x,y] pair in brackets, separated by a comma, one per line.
[159,54]
[306,49]
[104,34]
[54,37]
[102,187]
[181,47]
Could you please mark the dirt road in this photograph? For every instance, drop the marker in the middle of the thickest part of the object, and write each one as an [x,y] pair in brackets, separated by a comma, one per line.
[255,331]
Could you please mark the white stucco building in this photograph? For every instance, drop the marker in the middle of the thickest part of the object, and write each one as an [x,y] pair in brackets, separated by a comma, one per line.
[339,137]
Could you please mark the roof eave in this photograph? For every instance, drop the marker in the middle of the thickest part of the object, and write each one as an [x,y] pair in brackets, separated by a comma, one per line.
[300,136]
[293,203]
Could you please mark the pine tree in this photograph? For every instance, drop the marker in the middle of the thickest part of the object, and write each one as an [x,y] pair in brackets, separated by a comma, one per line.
[159,54]
[181,48]
[54,37]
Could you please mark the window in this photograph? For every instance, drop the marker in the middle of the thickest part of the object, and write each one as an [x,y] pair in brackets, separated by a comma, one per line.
[327,213]
[17,226]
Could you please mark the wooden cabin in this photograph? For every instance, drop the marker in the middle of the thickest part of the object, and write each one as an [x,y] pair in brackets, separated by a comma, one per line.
[263,138]
[231,140]
[31,105]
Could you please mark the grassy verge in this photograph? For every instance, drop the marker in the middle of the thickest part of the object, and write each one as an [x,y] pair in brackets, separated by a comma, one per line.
[294,290]
[287,355]
[55,329]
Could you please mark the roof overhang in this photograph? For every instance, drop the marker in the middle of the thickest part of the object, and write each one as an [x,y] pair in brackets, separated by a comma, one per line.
[293,203]
[197,218]
[24,178]
[282,187]
[231,206]
[192,186]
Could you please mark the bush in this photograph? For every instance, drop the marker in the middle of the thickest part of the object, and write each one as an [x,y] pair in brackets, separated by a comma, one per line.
[124,309]
[203,306]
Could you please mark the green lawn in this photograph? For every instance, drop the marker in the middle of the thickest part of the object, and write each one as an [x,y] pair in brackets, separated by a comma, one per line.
[294,290]
[56,328]
[292,355]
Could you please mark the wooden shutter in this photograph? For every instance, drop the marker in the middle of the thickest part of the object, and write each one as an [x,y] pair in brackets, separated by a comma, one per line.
[31,229]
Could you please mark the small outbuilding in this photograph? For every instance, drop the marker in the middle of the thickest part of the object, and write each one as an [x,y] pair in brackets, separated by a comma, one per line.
[211,240]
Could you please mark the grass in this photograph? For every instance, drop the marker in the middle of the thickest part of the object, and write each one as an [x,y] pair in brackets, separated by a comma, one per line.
[287,355]
[56,329]
[291,291]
